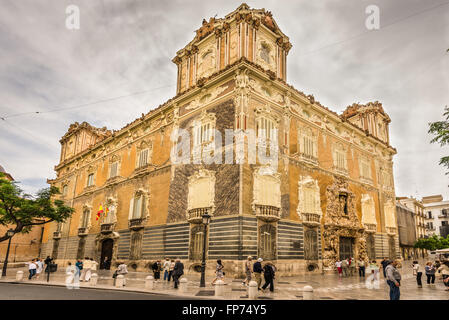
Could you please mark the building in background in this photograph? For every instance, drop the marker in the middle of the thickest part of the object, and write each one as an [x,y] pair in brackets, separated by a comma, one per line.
[23,246]
[437,214]
[407,231]
[331,195]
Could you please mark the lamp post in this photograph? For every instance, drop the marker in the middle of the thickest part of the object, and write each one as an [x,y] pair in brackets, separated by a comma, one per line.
[206,220]
[10,234]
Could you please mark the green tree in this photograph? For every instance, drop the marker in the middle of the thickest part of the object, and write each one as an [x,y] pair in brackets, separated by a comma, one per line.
[440,129]
[433,243]
[21,211]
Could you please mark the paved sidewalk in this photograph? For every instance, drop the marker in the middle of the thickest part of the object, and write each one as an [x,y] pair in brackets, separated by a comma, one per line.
[326,287]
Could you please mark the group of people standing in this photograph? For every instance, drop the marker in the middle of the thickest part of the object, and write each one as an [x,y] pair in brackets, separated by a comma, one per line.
[35,267]
[431,269]
[172,268]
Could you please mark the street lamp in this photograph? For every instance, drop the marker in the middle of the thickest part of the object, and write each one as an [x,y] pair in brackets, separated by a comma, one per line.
[206,220]
[10,233]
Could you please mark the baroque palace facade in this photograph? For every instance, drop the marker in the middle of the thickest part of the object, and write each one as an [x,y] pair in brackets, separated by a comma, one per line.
[331,195]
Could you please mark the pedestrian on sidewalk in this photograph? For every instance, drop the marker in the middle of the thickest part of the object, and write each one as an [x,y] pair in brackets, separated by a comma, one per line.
[72,270]
[40,267]
[257,269]
[372,282]
[345,267]
[32,268]
[268,273]
[122,270]
[384,264]
[79,267]
[444,270]
[361,265]
[219,273]
[172,268]
[339,268]
[166,267]
[86,266]
[393,279]
[248,268]
[352,266]
[178,271]
[417,272]
[93,267]
[157,267]
[430,272]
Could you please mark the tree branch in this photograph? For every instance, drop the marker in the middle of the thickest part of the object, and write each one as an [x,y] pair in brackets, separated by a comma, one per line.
[38,223]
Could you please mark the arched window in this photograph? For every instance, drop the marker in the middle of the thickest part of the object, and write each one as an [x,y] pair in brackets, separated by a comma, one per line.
[308,148]
[340,161]
[85,218]
[114,165]
[267,242]
[143,154]
[138,206]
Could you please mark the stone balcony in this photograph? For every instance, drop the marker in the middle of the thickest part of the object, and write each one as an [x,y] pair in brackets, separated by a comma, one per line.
[82,231]
[57,235]
[107,227]
[196,215]
[390,230]
[268,213]
[311,219]
[136,224]
[308,158]
[370,227]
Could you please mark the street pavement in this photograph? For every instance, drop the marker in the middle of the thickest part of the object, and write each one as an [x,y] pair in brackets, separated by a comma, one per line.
[326,287]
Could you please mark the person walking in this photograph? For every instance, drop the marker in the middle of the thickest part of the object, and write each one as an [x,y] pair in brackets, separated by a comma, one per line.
[444,270]
[79,267]
[178,271]
[157,267]
[257,269]
[393,279]
[339,268]
[86,266]
[372,282]
[361,265]
[268,273]
[32,269]
[248,269]
[122,270]
[352,266]
[384,264]
[417,272]
[430,272]
[172,268]
[39,268]
[345,267]
[219,274]
[166,268]
[93,267]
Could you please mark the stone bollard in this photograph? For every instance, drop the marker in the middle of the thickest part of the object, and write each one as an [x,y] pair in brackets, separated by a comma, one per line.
[19,276]
[149,283]
[183,285]
[252,290]
[219,288]
[119,281]
[68,278]
[307,293]
[93,279]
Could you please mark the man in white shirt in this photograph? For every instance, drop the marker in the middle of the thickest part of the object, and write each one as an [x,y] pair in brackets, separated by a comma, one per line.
[166,267]
[86,269]
[32,268]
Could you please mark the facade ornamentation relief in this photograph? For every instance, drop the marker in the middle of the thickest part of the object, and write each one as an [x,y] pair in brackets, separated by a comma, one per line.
[202,190]
[267,188]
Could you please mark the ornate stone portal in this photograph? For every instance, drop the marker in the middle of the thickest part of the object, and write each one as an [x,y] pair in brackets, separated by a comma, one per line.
[341,220]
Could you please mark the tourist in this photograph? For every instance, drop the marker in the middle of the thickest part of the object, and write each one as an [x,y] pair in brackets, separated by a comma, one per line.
[257,269]
[79,267]
[93,267]
[40,267]
[393,279]
[157,267]
[122,270]
[372,282]
[166,267]
[172,268]
[248,268]
[268,274]
[339,268]
[86,266]
[32,268]
[352,266]
[417,272]
[345,267]
[430,272]
[361,265]
[218,272]
[444,269]
[47,262]
[384,264]
[72,270]
[178,271]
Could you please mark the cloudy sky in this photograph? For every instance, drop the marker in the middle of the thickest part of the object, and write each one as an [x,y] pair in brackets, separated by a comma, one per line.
[118,66]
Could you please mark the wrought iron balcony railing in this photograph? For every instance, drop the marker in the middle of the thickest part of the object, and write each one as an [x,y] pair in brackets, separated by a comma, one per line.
[196,215]
[268,213]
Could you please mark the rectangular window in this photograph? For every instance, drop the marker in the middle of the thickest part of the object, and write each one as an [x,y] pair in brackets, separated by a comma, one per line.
[85,219]
[340,161]
[138,207]
[65,190]
[143,158]
[114,169]
[90,180]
